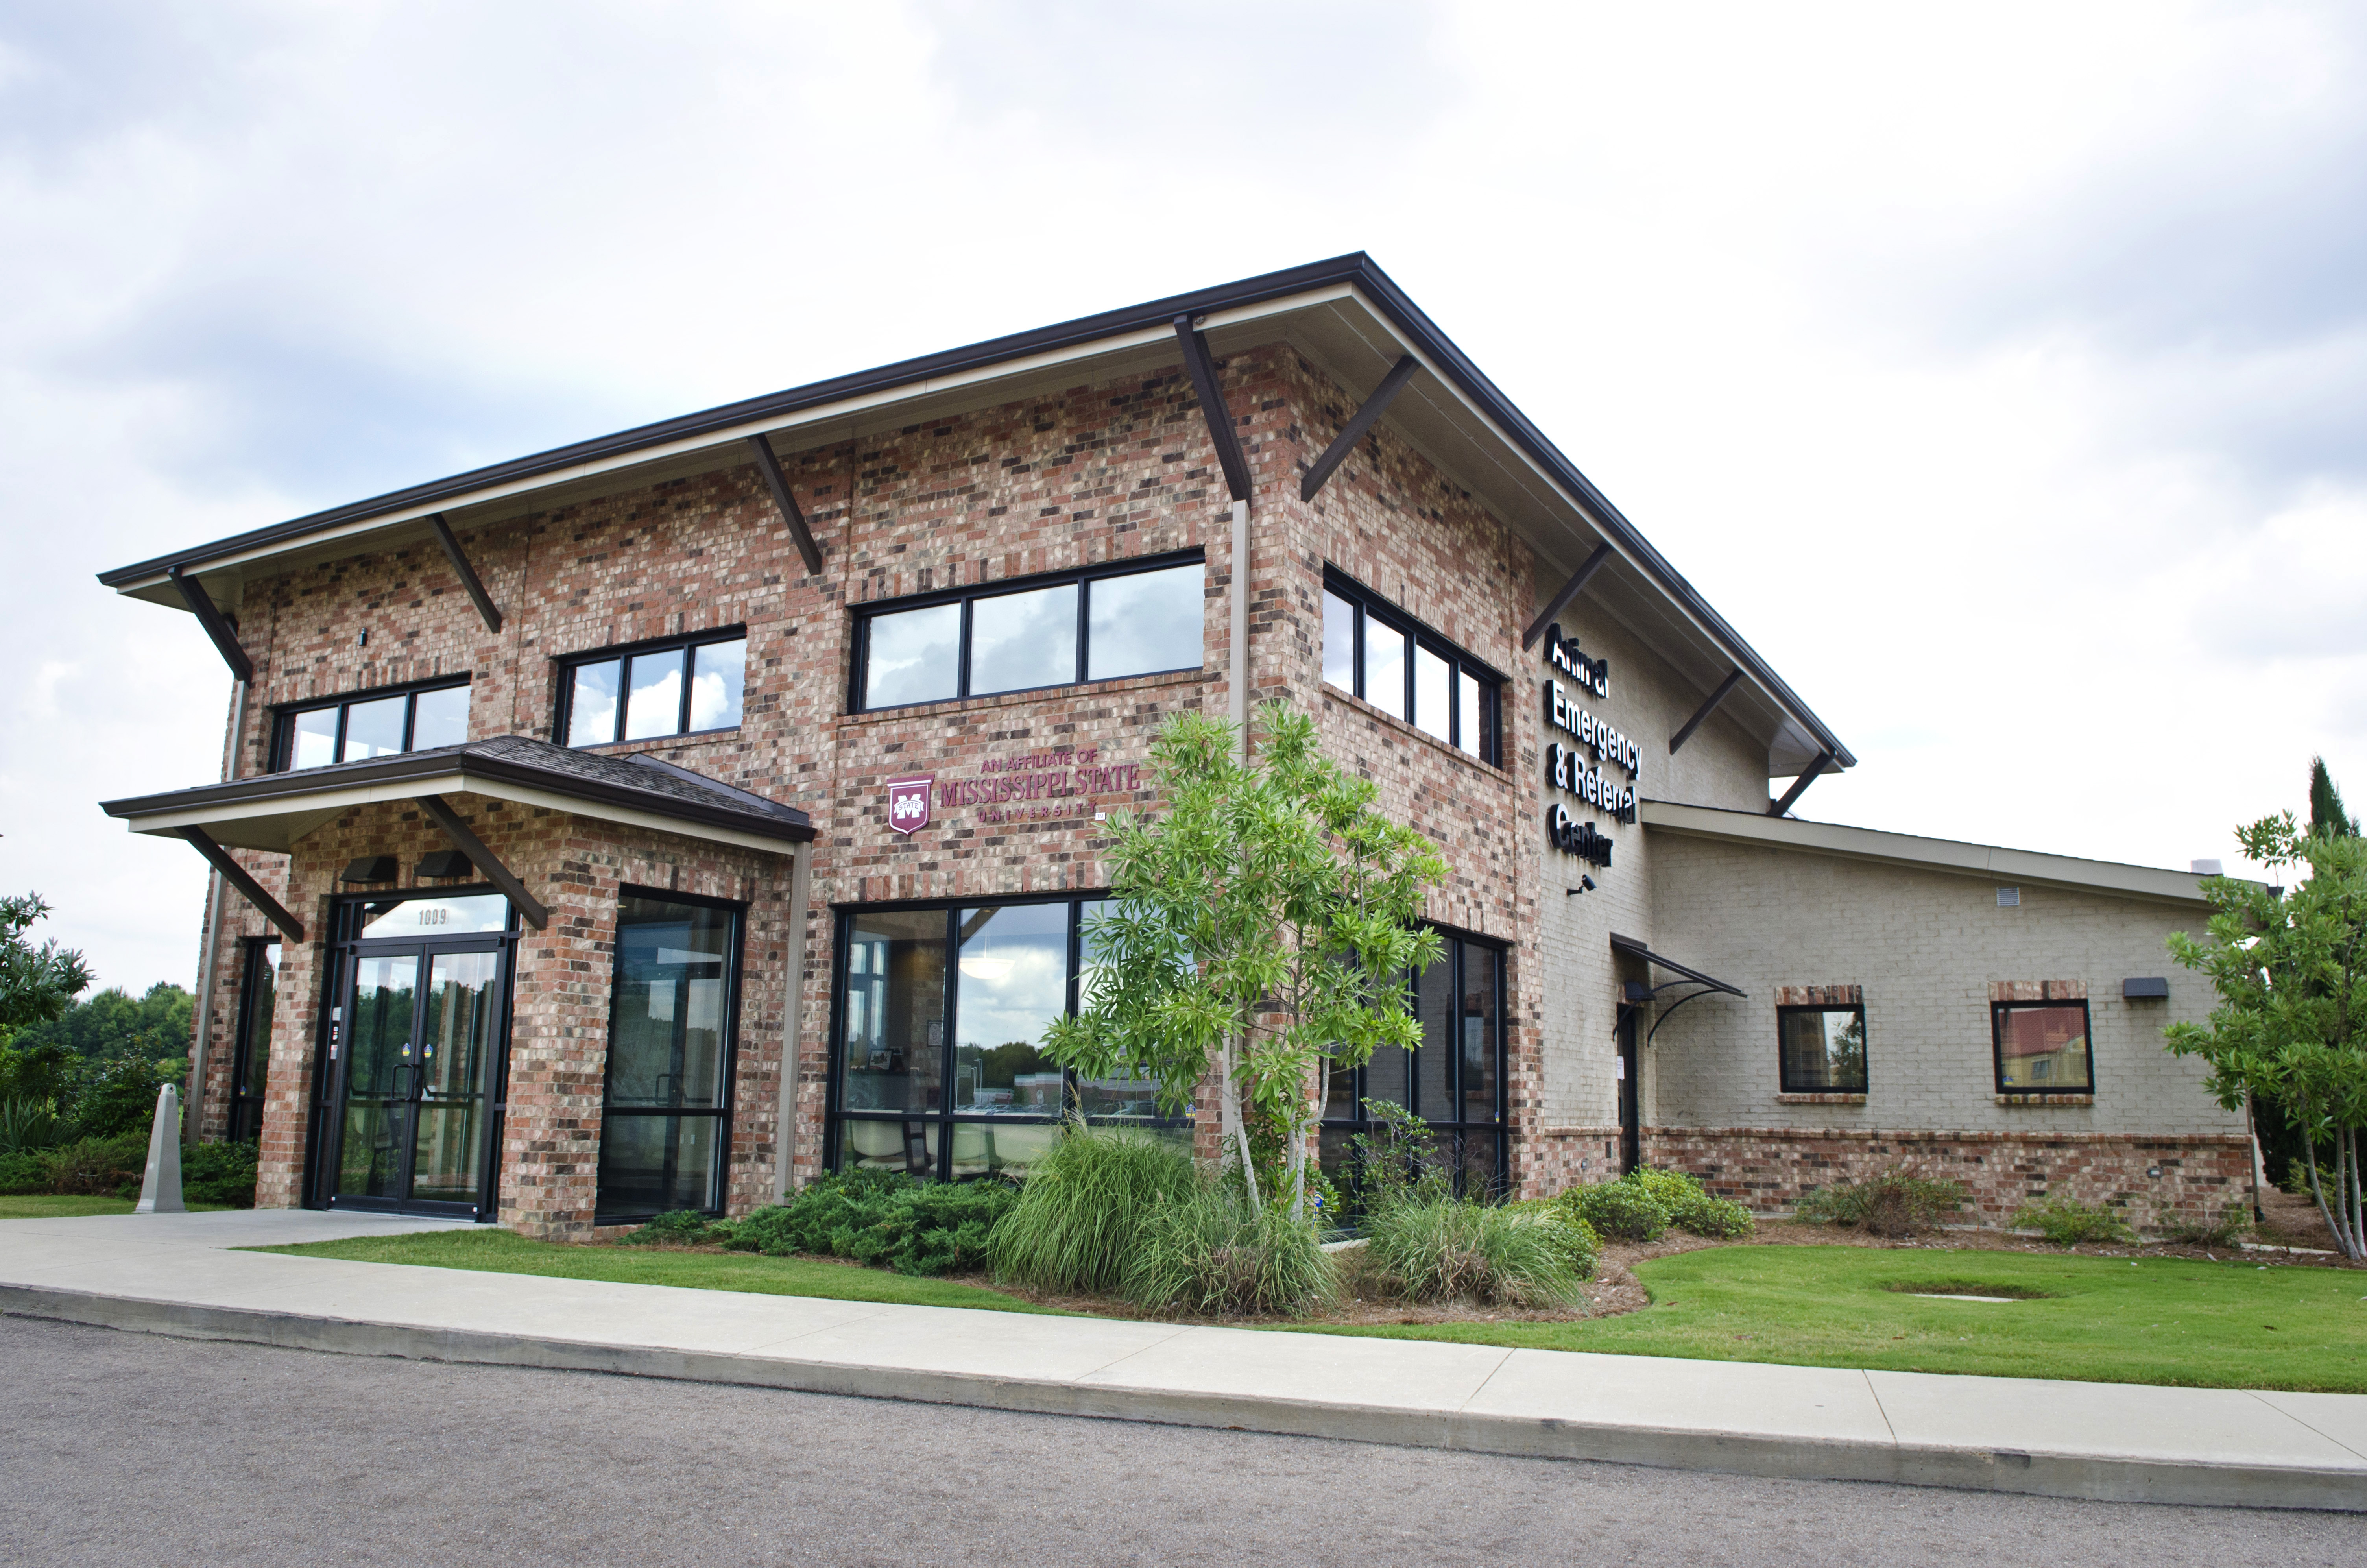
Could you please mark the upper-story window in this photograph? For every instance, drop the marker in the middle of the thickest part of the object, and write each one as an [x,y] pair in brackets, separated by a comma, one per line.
[1138,618]
[378,724]
[1377,651]
[680,687]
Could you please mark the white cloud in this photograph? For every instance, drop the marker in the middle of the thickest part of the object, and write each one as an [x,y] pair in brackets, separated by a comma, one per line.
[1995,371]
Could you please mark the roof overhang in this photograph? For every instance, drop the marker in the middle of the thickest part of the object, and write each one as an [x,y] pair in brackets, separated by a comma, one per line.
[274,812]
[1988,862]
[1346,315]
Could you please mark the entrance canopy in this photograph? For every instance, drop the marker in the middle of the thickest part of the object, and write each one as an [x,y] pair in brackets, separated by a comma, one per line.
[273,810]
[1639,992]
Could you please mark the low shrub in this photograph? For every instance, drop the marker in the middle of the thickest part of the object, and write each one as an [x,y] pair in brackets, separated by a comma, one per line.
[1579,1241]
[2068,1223]
[27,1125]
[683,1227]
[23,1173]
[1208,1252]
[882,1217]
[1082,1208]
[1689,1206]
[95,1167]
[1898,1201]
[1621,1208]
[2203,1230]
[1449,1248]
[217,1173]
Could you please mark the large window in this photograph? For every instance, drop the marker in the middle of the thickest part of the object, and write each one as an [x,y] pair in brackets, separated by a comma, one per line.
[251,1063]
[1374,651]
[670,688]
[1823,1050]
[672,1012]
[938,1067]
[2041,1047]
[377,724]
[1454,1081]
[1133,619]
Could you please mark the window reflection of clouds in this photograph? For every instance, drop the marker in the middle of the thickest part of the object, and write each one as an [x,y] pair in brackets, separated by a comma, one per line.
[718,674]
[1019,641]
[1147,621]
[1014,973]
[653,706]
[912,656]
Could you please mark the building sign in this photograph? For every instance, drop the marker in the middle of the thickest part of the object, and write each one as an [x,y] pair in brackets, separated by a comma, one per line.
[1043,786]
[1575,765]
[908,803]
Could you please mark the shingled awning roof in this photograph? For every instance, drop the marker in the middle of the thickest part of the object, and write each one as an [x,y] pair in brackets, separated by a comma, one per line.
[272,810]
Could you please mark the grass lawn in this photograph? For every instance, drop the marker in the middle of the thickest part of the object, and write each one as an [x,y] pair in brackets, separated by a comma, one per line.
[50,1206]
[503,1251]
[2101,1320]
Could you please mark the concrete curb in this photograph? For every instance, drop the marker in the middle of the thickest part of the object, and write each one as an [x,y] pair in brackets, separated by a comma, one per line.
[2088,1476]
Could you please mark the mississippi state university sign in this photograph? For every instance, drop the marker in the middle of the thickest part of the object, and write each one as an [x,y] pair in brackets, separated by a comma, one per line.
[908,803]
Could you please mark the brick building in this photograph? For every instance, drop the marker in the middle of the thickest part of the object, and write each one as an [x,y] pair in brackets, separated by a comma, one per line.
[655,823]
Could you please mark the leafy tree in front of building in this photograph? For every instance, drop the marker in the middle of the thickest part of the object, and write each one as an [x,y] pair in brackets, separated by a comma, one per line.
[93,1068]
[1259,931]
[2289,967]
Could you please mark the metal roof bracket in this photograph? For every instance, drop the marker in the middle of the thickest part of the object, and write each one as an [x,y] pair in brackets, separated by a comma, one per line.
[217,625]
[468,580]
[775,481]
[1570,590]
[235,875]
[1358,423]
[484,859]
[1800,785]
[1197,360]
[1705,711]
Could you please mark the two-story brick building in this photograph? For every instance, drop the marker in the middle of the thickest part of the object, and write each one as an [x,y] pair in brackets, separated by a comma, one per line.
[656,821]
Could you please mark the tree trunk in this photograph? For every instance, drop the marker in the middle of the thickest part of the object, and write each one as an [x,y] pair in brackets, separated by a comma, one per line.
[1233,1126]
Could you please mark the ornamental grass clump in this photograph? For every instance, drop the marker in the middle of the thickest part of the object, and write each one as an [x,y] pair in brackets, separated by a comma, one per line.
[1898,1201]
[1440,1247]
[1081,1211]
[1213,1253]
[2068,1223]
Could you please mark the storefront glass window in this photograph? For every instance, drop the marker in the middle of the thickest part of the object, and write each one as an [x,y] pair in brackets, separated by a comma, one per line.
[670,1029]
[1454,1082]
[1823,1050]
[252,1071]
[2041,1047]
[1002,972]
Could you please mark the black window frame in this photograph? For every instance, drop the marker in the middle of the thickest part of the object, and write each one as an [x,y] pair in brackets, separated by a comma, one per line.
[1998,1011]
[244,1119]
[719,1178]
[1456,1134]
[858,665]
[1370,606]
[946,1118]
[563,707]
[1782,1062]
[285,714]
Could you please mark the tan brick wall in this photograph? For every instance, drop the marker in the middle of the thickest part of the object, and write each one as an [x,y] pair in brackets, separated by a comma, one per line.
[1926,947]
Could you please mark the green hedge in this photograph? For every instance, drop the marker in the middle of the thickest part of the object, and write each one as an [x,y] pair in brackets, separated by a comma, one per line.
[877,1217]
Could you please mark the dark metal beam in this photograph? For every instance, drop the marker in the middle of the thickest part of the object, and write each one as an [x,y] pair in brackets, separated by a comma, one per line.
[1360,422]
[484,859]
[1203,367]
[476,594]
[1569,591]
[1800,785]
[1704,711]
[775,481]
[235,875]
[217,625]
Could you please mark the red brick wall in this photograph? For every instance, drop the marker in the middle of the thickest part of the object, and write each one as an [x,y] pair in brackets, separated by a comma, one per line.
[1768,1170]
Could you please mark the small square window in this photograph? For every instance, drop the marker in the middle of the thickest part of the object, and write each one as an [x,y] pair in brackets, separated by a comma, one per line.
[1823,1050]
[2041,1047]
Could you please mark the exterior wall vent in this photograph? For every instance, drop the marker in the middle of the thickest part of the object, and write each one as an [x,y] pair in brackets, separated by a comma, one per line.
[2205,869]
[2008,898]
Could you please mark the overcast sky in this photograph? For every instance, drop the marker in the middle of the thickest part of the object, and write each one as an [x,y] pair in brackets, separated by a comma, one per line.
[1998,373]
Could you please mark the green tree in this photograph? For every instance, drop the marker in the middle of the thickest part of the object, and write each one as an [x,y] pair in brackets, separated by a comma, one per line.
[36,983]
[112,1024]
[1260,930]
[2326,817]
[2290,969]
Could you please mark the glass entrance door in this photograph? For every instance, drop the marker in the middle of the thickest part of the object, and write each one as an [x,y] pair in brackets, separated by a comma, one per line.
[421,1029]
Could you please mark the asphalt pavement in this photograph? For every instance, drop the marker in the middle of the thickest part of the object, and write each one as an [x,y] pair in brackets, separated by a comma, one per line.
[134,1448]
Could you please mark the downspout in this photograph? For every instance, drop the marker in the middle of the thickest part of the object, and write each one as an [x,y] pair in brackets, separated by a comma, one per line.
[1240,616]
[784,1135]
[201,1045]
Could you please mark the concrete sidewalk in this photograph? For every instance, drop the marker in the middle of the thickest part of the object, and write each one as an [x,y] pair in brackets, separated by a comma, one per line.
[174,1274]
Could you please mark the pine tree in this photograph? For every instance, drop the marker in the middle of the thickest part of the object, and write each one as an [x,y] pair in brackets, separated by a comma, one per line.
[2326,817]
